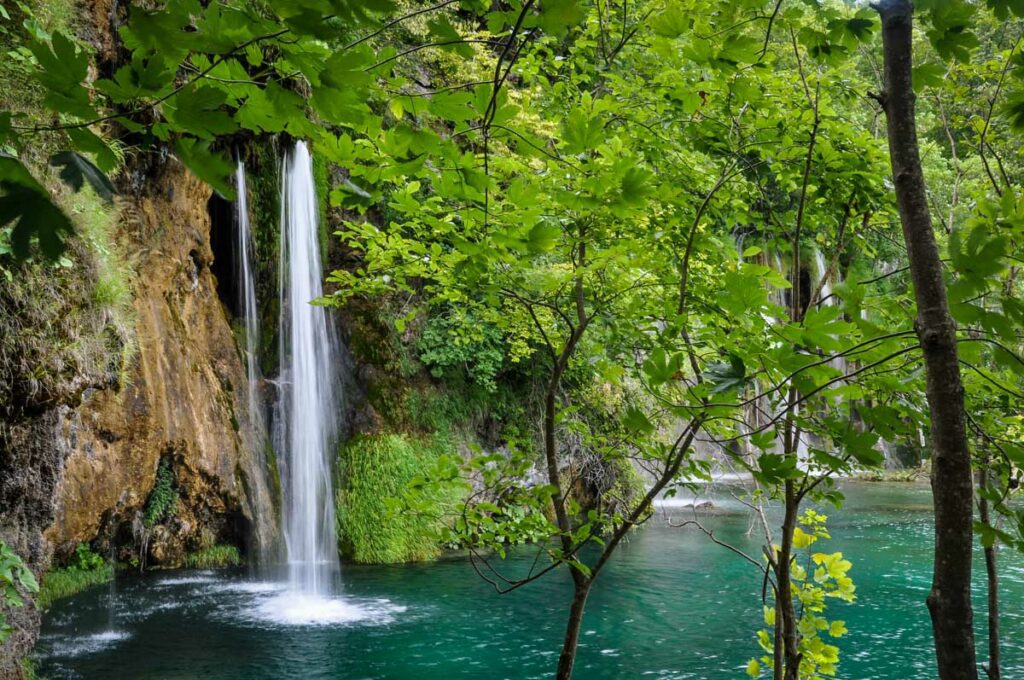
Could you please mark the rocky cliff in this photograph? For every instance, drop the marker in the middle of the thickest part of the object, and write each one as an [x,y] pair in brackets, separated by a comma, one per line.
[81,466]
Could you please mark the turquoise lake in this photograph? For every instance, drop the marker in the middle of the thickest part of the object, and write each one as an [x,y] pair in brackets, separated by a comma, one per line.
[671,605]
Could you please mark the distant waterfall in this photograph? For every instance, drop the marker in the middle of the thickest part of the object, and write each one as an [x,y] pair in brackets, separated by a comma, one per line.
[247,299]
[306,411]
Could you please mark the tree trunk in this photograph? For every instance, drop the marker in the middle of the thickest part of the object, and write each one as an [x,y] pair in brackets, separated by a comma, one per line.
[572,629]
[993,669]
[790,643]
[952,486]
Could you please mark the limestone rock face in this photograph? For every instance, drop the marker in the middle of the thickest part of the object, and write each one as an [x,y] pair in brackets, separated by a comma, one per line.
[184,398]
[83,470]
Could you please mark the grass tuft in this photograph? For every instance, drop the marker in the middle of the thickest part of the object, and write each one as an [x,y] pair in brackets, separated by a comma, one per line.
[85,570]
[214,557]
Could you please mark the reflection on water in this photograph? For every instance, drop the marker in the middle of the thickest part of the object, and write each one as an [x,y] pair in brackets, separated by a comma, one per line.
[671,605]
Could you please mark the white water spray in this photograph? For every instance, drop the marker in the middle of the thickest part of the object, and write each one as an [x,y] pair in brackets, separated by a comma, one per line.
[307,407]
[247,299]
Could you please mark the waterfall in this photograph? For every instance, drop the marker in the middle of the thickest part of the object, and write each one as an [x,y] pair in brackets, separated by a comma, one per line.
[307,406]
[247,300]
[821,268]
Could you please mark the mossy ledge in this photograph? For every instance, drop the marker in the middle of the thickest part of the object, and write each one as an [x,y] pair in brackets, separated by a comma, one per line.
[372,470]
[215,557]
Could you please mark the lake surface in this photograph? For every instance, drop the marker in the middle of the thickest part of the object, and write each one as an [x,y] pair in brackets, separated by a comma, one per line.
[670,605]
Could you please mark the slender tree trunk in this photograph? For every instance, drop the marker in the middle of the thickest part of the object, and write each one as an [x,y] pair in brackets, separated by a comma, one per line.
[581,589]
[778,659]
[581,583]
[783,575]
[949,601]
[993,669]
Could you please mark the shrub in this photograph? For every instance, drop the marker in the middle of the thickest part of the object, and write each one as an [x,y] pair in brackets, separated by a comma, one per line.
[455,343]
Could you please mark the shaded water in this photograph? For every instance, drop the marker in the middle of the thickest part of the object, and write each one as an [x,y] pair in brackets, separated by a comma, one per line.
[307,403]
[670,605]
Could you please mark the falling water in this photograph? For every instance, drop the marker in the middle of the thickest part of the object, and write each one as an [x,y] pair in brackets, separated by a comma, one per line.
[821,268]
[307,403]
[827,299]
[112,591]
[247,299]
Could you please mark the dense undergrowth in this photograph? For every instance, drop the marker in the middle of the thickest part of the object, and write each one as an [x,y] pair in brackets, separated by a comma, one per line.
[67,324]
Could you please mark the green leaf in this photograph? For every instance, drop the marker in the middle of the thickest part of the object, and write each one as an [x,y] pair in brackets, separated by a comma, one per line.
[24,201]
[859,27]
[863,447]
[271,109]
[774,468]
[543,237]
[660,367]
[208,165]
[85,140]
[442,31]
[581,132]
[198,110]
[726,376]
[1004,8]
[636,420]
[76,170]
[557,16]
[453,106]
[63,67]
[952,21]
[928,75]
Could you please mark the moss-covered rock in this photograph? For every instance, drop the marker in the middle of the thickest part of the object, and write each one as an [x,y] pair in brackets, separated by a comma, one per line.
[373,470]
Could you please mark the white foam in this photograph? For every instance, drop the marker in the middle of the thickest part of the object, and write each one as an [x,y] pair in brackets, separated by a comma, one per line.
[248,587]
[185,580]
[301,609]
[87,644]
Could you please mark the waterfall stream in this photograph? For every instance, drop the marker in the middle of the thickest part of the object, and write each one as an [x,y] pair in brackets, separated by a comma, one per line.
[307,404]
[247,299]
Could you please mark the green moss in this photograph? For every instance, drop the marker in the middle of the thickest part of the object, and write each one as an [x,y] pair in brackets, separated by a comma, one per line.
[322,181]
[263,169]
[373,470]
[214,557]
[28,669]
[85,570]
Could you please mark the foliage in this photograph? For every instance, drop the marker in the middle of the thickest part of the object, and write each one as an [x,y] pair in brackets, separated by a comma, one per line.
[462,341]
[643,216]
[817,578]
[218,556]
[164,496]
[15,578]
[84,570]
[373,473]
[70,323]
